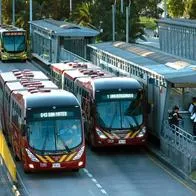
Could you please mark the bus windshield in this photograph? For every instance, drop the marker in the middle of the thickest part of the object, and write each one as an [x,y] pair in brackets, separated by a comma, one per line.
[119,111]
[14,43]
[55,135]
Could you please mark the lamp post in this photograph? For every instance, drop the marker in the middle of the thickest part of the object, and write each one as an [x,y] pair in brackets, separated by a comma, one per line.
[30,14]
[13,12]
[0,12]
[113,20]
[127,21]
[122,6]
[165,9]
[70,7]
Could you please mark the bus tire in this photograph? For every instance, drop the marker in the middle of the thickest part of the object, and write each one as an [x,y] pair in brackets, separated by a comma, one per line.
[16,158]
[75,170]
[90,142]
[25,169]
[15,155]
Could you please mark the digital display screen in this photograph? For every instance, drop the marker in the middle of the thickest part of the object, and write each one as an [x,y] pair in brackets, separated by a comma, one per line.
[120,96]
[14,33]
[53,114]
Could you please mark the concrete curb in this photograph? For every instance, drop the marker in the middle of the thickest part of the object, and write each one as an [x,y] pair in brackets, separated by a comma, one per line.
[15,190]
[12,186]
[162,158]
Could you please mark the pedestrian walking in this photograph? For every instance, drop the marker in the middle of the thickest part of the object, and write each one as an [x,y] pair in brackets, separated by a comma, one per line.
[193,118]
[192,106]
[174,116]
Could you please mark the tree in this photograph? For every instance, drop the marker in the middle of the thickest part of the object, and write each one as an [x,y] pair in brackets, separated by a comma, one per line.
[176,7]
[82,14]
[191,9]
[6,11]
[150,8]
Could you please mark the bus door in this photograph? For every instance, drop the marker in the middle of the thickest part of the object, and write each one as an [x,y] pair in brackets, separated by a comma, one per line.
[14,129]
[150,92]
[154,101]
[5,109]
[86,108]
[2,98]
[7,117]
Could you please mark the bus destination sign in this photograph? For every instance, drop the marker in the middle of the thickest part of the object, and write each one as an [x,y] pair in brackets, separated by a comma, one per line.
[14,33]
[53,114]
[120,96]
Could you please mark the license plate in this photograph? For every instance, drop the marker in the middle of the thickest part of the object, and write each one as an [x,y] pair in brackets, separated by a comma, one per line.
[122,141]
[56,165]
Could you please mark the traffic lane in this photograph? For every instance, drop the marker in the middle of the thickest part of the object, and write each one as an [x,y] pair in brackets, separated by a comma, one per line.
[57,183]
[128,172]
[9,66]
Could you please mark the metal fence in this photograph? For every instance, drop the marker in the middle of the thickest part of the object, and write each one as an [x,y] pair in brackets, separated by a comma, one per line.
[178,37]
[179,146]
[66,55]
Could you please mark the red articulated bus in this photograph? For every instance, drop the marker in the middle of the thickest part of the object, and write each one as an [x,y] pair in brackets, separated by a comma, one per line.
[113,107]
[41,122]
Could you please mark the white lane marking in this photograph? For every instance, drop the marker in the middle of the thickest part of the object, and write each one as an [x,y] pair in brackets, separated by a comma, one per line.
[22,184]
[98,185]
[95,182]
[104,192]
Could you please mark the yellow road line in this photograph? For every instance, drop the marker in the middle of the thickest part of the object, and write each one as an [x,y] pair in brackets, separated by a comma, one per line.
[168,172]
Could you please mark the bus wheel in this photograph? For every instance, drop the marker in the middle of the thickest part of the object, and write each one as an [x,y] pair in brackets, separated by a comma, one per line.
[14,152]
[75,170]
[90,141]
[25,169]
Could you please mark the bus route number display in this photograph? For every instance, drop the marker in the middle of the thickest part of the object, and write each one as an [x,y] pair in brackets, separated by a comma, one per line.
[13,33]
[52,114]
[120,96]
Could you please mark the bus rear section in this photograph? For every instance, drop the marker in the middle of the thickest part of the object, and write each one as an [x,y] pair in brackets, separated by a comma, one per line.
[13,44]
[44,125]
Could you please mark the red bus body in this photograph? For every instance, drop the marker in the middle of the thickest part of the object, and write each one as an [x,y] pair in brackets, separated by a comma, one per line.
[30,102]
[96,91]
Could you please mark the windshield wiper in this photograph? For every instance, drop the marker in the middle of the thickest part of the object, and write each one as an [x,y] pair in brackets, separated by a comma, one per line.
[113,117]
[44,145]
[64,144]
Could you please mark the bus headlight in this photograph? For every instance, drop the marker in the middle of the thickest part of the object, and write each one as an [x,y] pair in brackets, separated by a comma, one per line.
[142,132]
[31,156]
[79,154]
[100,134]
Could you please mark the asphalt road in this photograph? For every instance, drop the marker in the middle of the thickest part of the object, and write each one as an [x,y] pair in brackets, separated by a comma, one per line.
[114,172]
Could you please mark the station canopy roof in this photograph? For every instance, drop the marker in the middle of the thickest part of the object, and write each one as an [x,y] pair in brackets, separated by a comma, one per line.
[180,72]
[61,28]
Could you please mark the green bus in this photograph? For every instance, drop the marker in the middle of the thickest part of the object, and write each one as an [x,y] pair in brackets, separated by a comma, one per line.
[12,43]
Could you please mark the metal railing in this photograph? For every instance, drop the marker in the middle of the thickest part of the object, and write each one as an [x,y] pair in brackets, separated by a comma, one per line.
[178,37]
[66,55]
[180,139]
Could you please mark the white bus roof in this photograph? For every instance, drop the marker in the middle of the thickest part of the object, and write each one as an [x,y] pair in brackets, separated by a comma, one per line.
[50,98]
[9,76]
[18,86]
[73,65]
